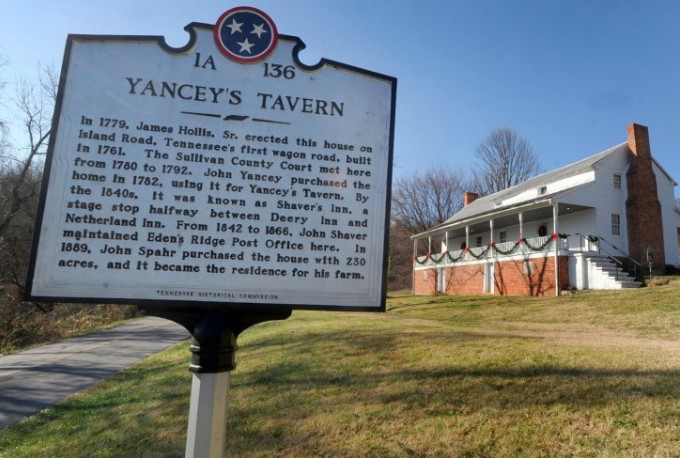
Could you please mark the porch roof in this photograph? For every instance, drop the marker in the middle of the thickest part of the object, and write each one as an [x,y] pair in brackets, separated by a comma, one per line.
[533,211]
[491,206]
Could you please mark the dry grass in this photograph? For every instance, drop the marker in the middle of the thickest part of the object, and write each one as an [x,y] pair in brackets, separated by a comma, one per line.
[594,374]
[25,324]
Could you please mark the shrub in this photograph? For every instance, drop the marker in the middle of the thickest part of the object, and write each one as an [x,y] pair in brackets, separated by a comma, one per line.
[23,323]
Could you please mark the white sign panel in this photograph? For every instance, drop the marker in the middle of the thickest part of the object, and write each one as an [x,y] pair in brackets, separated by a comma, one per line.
[204,174]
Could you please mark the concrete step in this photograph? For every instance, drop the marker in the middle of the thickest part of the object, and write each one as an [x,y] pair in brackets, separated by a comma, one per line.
[609,269]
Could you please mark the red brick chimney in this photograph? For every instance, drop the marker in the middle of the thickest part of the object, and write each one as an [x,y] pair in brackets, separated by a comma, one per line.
[643,209]
[469,197]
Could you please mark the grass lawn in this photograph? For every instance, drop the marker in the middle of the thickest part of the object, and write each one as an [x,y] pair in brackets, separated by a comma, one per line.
[593,374]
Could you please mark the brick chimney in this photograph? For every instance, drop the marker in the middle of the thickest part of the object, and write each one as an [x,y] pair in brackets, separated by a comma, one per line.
[469,197]
[643,209]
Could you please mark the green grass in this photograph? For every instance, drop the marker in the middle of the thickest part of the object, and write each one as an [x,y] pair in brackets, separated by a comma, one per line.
[594,374]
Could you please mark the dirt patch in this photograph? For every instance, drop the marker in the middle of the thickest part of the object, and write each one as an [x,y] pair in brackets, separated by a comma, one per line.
[564,334]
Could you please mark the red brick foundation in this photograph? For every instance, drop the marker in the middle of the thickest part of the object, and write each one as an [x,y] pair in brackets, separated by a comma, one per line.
[530,277]
[465,280]
[425,281]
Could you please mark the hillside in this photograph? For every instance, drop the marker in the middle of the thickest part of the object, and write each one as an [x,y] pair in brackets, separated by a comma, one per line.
[593,374]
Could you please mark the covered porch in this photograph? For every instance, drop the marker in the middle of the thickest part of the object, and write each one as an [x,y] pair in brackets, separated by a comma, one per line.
[535,249]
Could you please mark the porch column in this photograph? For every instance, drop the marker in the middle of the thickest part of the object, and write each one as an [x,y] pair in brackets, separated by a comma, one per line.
[415,262]
[557,263]
[467,241]
[490,238]
[521,230]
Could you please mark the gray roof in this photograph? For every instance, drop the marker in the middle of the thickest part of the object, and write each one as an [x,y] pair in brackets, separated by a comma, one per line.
[488,204]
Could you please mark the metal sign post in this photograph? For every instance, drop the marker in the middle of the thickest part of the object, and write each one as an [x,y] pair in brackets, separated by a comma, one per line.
[213,351]
[206,433]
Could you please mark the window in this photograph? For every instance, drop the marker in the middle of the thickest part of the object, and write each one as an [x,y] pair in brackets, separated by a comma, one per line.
[617,181]
[616,224]
[479,241]
[543,230]
[503,236]
[543,190]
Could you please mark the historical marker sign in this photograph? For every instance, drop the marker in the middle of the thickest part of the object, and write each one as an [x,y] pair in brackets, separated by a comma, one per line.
[222,172]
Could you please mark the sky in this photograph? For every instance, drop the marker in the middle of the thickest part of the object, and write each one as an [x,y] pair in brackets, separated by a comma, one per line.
[567,75]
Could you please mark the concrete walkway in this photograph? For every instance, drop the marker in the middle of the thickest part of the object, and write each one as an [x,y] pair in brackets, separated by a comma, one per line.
[38,378]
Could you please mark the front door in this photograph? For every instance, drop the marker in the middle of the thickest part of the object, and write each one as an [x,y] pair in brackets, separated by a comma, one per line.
[488,278]
[441,283]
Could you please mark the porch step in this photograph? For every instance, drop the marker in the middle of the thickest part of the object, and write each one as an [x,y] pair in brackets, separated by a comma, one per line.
[608,268]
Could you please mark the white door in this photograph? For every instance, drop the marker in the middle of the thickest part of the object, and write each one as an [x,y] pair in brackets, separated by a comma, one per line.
[488,278]
[441,284]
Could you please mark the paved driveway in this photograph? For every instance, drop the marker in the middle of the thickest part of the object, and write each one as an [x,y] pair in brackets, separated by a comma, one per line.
[37,378]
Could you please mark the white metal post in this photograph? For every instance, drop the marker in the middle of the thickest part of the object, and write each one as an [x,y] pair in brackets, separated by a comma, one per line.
[521,231]
[415,262]
[555,241]
[491,239]
[467,241]
[207,430]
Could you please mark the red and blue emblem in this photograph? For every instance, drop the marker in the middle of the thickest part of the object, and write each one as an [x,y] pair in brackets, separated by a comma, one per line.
[245,34]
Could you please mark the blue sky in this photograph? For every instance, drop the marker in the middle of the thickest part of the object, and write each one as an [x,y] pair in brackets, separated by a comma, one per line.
[568,75]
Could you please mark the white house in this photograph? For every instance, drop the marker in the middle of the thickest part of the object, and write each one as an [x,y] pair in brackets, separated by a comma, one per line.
[594,224]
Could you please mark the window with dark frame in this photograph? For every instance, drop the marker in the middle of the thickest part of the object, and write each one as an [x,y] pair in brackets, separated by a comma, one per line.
[479,241]
[616,224]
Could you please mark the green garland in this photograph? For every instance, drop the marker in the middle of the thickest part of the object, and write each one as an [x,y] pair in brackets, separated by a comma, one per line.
[508,252]
[427,258]
[430,257]
[437,261]
[438,258]
[480,255]
[459,258]
[539,248]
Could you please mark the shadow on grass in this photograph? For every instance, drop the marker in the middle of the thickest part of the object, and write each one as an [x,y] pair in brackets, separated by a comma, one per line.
[302,390]
[451,363]
[362,392]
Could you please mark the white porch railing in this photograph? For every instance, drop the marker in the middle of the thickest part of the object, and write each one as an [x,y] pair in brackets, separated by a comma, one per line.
[536,245]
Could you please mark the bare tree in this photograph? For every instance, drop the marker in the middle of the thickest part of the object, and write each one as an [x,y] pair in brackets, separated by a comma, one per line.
[419,202]
[21,169]
[423,200]
[506,160]
[400,258]
[20,164]
[20,177]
